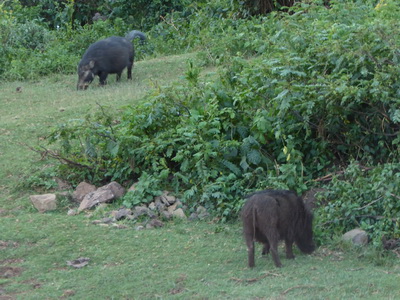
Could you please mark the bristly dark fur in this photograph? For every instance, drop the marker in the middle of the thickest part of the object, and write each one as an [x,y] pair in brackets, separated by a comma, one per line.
[272,215]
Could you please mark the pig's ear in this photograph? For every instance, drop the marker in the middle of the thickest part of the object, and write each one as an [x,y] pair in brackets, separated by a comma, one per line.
[91,64]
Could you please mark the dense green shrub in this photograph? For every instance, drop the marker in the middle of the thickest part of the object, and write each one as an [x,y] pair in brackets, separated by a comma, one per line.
[318,92]
[362,197]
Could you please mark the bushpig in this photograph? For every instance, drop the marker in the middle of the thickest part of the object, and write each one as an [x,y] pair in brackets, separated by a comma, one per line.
[109,56]
[272,215]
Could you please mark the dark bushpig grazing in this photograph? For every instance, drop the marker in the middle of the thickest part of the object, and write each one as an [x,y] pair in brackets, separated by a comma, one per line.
[272,215]
[109,56]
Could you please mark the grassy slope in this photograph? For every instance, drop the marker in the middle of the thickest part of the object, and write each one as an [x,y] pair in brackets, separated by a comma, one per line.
[182,260]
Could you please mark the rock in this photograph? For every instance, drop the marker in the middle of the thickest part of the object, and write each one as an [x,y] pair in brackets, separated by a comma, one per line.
[171,199]
[356,236]
[78,263]
[202,213]
[107,220]
[44,202]
[193,217]
[97,16]
[167,199]
[179,213]
[140,211]
[94,198]
[103,221]
[163,200]
[72,212]
[115,188]
[121,213]
[165,214]
[156,223]
[82,190]
[174,207]
[120,226]
[140,227]
[159,205]
[152,206]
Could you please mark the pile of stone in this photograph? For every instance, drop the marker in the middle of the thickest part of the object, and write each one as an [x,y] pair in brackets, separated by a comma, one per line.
[87,196]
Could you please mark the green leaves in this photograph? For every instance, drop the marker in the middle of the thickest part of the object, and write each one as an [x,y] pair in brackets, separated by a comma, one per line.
[363,197]
[321,88]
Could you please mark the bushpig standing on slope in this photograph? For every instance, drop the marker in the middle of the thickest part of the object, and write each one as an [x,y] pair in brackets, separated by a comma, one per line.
[109,56]
[273,215]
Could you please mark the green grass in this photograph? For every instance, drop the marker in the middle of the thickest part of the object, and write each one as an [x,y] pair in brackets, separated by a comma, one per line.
[183,260]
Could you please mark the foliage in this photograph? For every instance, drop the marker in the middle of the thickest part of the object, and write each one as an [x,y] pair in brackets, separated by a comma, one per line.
[256,7]
[319,92]
[367,198]
[144,191]
[142,14]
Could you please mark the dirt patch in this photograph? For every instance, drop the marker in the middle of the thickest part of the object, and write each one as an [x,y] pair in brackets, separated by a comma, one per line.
[7,244]
[33,283]
[8,272]
[11,261]
[180,285]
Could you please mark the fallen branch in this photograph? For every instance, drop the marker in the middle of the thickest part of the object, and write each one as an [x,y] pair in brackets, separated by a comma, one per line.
[52,154]
[330,176]
[369,204]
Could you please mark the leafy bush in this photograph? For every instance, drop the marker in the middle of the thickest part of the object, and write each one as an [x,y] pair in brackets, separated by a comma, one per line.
[319,92]
[362,197]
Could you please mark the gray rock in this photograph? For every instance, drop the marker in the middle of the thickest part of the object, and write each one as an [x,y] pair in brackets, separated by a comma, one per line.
[159,205]
[174,206]
[156,223]
[202,213]
[167,199]
[45,202]
[103,221]
[72,212]
[163,200]
[78,263]
[171,199]
[140,227]
[95,198]
[121,213]
[356,236]
[179,213]
[115,188]
[152,206]
[82,190]
[141,210]
[165,214]
[193,217]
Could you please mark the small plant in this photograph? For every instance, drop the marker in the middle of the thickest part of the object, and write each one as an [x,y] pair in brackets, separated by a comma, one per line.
[144,191]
